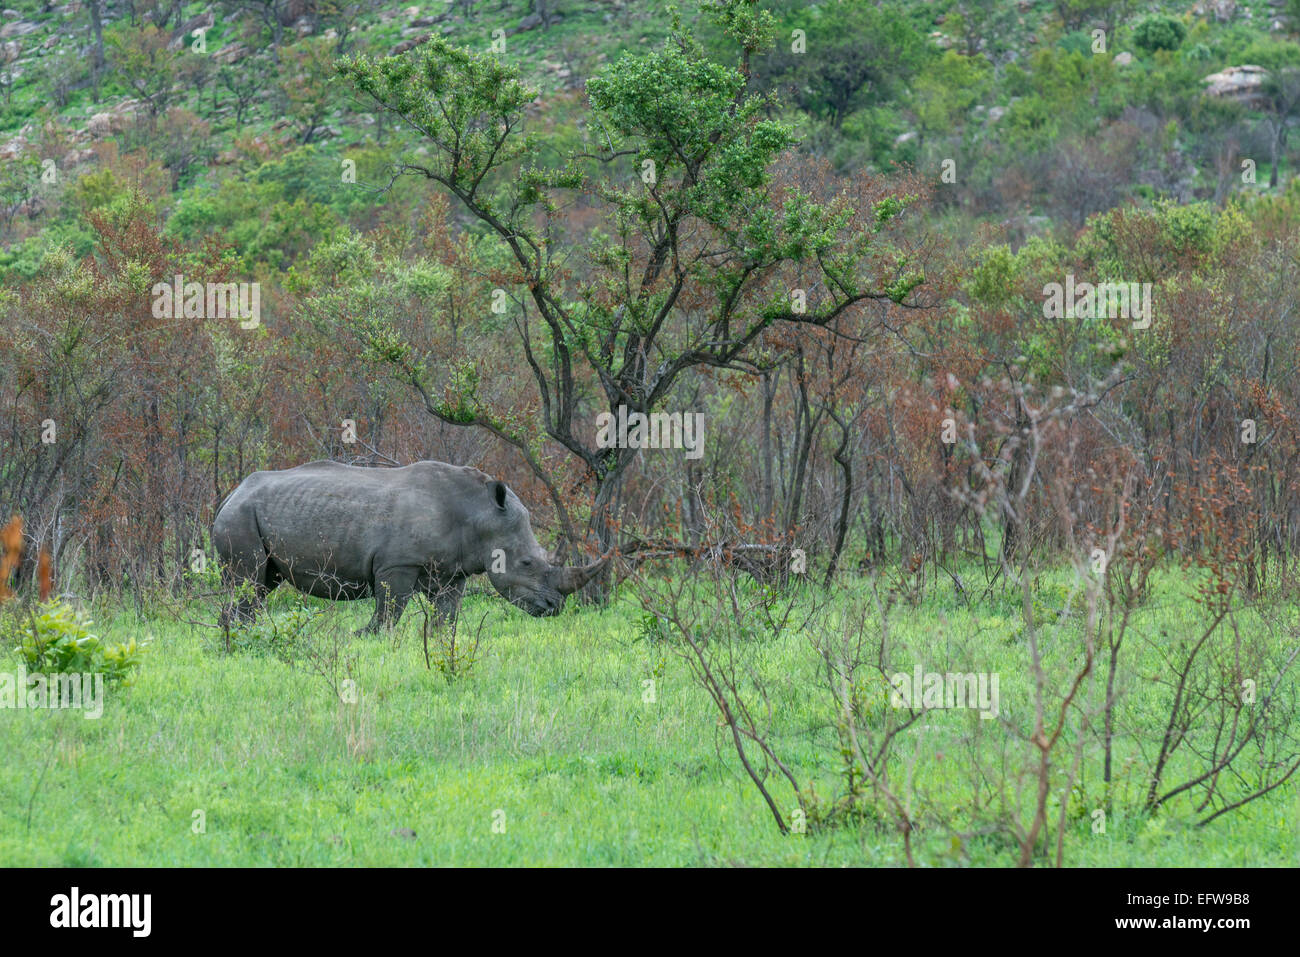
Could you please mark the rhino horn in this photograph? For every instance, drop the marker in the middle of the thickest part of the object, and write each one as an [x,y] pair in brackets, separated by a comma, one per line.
[573,577]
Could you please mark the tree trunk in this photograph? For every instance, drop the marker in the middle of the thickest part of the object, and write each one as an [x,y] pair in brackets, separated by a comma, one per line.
[804,450]
[769,393]
[844,457]
[97,51]
[1276,149]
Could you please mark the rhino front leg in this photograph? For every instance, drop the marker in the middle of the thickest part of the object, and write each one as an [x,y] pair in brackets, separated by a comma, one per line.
[393,588]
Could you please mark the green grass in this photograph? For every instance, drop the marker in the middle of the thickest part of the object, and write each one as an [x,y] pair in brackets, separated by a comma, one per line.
[550,728]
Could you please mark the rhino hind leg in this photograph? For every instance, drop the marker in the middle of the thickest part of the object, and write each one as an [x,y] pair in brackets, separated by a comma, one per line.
[244,563]
[242,611]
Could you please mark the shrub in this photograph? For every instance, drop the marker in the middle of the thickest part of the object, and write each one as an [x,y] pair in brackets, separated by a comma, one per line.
[1159,32]
[54,638]
[279,634]
[453,656]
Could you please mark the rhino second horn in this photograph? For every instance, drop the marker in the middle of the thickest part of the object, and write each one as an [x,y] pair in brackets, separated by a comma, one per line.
[574,577]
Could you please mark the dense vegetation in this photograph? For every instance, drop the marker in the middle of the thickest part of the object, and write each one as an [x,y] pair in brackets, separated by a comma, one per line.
[848,235]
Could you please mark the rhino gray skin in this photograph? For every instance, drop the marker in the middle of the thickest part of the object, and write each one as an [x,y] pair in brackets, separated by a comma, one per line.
[344,532]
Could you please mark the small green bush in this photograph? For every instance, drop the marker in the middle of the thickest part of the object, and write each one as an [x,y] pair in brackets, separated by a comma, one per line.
[1159,32]
[54,638]
[652,629]
[277,634]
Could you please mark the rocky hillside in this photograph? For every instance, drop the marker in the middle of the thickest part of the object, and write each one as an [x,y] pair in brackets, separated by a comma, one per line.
[1042,113]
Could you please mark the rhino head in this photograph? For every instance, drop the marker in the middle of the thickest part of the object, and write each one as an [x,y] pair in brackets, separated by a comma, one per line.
[518,567]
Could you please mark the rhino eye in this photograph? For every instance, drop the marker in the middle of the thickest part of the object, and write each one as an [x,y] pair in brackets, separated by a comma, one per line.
[525,562]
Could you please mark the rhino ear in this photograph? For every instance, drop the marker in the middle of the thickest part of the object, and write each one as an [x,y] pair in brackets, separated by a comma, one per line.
[499,494]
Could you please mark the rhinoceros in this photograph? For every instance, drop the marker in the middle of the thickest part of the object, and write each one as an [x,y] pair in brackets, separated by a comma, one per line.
[346,532]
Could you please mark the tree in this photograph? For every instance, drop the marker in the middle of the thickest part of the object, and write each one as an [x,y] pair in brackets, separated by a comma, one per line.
[273,14]
[948,87]
[1282,110]
[1159,33]
[1078,13]
[245,86]
[148,66]
[855,53]
[19,181]
[305,86]
[344,16]
[95,10]
[982,25]
[699,251]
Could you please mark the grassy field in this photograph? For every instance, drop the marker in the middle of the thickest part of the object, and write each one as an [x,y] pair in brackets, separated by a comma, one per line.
[550,739]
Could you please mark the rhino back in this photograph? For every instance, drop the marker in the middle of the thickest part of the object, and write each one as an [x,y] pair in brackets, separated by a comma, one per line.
[348,520]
